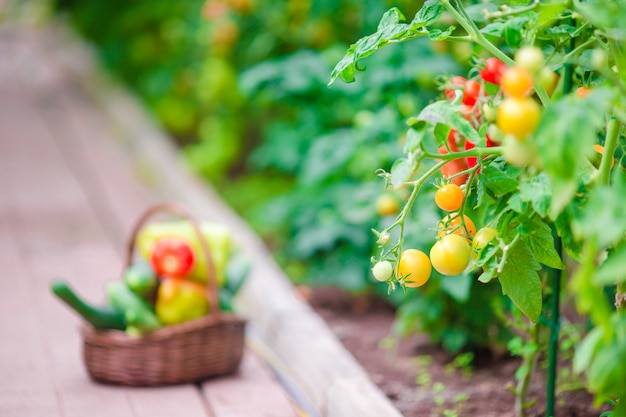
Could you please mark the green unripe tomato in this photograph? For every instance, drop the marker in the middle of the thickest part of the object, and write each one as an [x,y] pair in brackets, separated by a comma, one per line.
[530,58]
[598,59]
[382,271]
[518,153]
[483,237]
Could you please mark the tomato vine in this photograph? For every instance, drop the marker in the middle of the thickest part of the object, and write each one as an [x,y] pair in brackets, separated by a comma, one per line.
[525,149]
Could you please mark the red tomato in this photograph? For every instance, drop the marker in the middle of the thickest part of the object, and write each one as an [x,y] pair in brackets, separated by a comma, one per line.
[172,256]
[452,168]
[471,160]
[471,92]
[492,73]
[456,81]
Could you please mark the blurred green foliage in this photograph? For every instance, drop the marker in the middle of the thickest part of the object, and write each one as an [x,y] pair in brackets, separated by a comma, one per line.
[242,86]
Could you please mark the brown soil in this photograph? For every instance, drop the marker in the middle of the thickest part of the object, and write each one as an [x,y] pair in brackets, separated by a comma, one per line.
[420,379]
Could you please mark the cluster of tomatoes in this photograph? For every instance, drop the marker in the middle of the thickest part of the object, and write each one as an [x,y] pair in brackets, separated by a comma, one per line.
[450,255]
[514,115]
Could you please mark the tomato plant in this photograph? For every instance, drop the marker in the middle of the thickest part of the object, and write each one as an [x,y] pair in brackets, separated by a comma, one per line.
[540,201]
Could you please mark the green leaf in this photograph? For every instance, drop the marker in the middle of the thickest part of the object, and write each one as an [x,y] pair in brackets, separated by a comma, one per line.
[538,193]
[565,136]
[457,287]
[512,30]
[521,282]
[499,182]
[541,243]
[604,216]
[446,113]
[390,29]
[493,29]
[430,11]
[414,137]
[605,375]
[613,270]
[490,270]
[391,18]
[586,349]
[401,171]
[563,224]
[440,35]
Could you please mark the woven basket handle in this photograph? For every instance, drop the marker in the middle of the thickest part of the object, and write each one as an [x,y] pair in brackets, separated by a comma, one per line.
[212,287]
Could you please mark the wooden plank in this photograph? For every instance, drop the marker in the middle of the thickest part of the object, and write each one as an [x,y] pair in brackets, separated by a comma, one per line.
[253,391]
[320,366]
[267,394]
[48,227]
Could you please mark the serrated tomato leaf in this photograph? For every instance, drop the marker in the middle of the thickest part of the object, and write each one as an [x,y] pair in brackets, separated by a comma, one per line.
[430,11]
[446,113]
[390,29]
[521,282]
[414,137]
[541,242]
[401,171]
[499,182]
[537,192]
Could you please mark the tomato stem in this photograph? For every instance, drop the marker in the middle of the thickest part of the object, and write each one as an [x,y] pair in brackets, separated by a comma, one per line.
[401,220]
[529,360]
[610,144]
[511,12]
[474,152]
[476,36]
[505,253]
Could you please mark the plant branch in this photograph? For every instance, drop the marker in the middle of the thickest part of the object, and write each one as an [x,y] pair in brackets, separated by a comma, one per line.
[510,12]
[477,36]
[529,360]
[474,152]
[474,33]
[610,143]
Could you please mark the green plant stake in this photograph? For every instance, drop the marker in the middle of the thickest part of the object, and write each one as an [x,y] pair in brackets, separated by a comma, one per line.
[555,327]
[555,316]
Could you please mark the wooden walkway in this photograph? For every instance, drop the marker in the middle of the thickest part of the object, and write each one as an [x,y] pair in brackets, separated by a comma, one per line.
[79,161]
[67,198]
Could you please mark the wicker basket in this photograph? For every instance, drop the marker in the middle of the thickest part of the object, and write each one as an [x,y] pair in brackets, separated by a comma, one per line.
[186,352]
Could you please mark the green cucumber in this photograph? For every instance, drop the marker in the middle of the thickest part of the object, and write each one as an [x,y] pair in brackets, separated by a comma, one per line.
[141,279]
[132,306]
[100,317]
